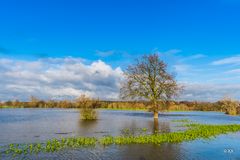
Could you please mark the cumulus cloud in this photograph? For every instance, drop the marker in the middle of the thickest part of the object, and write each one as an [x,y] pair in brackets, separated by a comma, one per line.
[67,78]
[58,77]
[230,60]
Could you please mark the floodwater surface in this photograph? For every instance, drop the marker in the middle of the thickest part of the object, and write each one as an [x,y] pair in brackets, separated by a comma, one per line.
[38,125]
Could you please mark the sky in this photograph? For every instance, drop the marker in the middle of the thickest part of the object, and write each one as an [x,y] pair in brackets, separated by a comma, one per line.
[64,48]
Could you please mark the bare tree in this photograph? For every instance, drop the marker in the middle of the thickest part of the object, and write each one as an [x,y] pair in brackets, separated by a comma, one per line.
[148,79]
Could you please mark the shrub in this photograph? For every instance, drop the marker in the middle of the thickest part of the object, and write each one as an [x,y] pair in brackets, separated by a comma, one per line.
[88,114]
[88,107]
[230,106]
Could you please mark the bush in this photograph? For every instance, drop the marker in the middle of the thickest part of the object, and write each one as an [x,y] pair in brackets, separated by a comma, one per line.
[88,107]
[88,114]
[230,106]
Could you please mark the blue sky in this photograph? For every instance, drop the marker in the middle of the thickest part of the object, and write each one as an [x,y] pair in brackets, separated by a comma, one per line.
[199,39]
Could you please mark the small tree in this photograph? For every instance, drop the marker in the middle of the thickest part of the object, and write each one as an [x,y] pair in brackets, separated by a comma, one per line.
[148,79]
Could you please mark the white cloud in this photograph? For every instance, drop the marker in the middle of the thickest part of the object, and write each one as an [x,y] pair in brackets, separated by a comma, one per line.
[54,77]
[209,91]
[230,60]
[193,57]
[168,52]
[196,56]
[69,77]
[182,68]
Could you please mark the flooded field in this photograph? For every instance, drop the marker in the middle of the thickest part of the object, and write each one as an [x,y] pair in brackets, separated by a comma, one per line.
[38,125]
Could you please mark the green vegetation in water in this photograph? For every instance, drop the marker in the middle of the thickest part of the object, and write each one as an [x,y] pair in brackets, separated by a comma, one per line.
[132,132]
[195,131]
[50,146]
[182,120]
[9,107]
[88,114]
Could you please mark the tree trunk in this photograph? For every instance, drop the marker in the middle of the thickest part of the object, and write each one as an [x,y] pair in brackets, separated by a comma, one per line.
[155,126]
[155,109]
[155,115]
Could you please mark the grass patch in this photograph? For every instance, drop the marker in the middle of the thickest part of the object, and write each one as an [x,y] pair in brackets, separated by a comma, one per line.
[194,131]
[50,146]
[9,107]
[181,120]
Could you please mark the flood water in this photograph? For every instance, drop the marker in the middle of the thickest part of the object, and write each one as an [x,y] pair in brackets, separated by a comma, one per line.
[39,125]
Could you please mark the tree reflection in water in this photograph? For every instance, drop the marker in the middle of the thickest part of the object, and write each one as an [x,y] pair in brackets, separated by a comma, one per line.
[86,126]
[160,127]
[147,152]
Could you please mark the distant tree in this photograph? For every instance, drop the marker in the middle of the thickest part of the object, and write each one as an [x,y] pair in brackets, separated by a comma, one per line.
[16,103]
[33,102]
[8,103]
[149,79]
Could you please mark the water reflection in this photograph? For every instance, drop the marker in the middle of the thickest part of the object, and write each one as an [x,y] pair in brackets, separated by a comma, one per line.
[147,152]
[164,127]
[124,152]
[130,129]
[86,126]
[160,127]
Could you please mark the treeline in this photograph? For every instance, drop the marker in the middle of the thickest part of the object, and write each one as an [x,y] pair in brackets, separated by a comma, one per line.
[34,102]
[226,105]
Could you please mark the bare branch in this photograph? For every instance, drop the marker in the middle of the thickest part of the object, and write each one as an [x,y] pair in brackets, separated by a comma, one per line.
[148,79]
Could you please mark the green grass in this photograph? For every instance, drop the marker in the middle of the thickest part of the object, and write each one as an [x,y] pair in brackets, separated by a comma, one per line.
[194,131]
[9,107]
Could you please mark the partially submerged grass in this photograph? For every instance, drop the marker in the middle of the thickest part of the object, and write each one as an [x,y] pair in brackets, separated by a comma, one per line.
[182,120]
[194,131]
[50,146]
[132,132]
